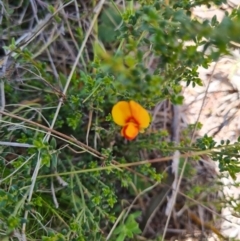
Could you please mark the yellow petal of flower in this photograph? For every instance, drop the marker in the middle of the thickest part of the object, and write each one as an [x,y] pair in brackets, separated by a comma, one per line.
[130,131]
[139,114]
[121,113]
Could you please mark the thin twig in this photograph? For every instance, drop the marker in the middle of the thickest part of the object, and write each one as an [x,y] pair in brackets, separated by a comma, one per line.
[66,137]
[16,144]
[53,194]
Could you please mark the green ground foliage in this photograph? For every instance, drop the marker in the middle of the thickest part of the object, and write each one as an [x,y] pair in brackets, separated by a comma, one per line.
[76,59]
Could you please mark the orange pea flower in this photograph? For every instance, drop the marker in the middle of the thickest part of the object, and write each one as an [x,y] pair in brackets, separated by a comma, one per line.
[132,117]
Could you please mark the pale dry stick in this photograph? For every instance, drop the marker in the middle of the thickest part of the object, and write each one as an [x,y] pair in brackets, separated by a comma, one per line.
[16,170]
[55,201]
[29,108]
[129,208]
[89,125]
[48,135]
[175,162]
[74,151]
[2,97]
[112,20]
[2,89]
[171,181]
[115,225]
[185,161]
[155,111]
[77,143]
[24,145]
[16,234]
[235,44]
[39,217]
[61,181]
[139,195]
[54,133]
[96,134]
[93,91]
[1,12]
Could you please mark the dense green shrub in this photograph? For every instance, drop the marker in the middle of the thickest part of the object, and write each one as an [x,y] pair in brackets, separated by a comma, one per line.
[60,188]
